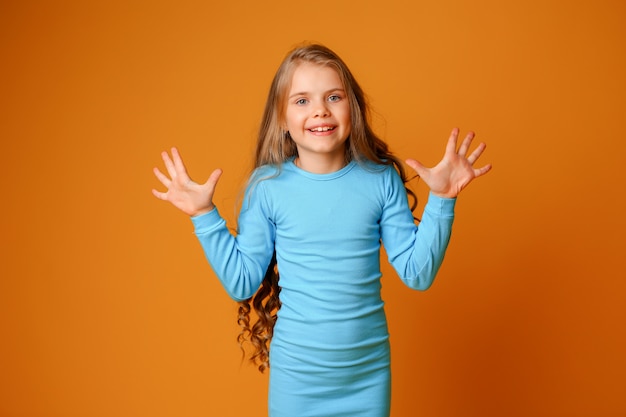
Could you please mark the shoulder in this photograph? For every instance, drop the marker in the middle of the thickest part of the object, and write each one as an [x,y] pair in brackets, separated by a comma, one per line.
[265,178]
[264,172]
[255,189]
[373,170]
[382,179]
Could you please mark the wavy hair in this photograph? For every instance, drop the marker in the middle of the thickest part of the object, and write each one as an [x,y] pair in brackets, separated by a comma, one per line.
[275,146]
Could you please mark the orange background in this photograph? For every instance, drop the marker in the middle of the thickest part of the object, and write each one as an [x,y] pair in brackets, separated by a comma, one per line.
[107,307]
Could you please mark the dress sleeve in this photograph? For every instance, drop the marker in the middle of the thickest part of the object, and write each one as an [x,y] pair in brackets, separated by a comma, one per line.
[415,252]
[240,261]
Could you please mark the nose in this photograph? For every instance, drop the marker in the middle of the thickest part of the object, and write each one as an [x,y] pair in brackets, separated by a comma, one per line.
[321,109]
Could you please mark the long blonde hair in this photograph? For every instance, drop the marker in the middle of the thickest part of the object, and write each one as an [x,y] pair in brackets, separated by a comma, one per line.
[275,146]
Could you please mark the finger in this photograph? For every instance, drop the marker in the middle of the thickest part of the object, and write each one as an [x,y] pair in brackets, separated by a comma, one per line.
[476,154]
[161,177]
[169,165]
[417,167]
[159,195]
[466,144]
[179,165]
[452,140]
[482,171]
[214,178]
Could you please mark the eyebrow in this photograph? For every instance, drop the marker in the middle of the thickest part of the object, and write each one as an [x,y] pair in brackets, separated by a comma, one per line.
[304,93]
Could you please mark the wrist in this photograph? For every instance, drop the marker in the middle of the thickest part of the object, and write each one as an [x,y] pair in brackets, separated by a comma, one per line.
[202,211]
[443,195]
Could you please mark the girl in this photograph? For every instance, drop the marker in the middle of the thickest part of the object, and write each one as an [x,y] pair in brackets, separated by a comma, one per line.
[325,193]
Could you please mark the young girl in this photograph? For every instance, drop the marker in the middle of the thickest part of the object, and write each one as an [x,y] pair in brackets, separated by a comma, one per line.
[325,193]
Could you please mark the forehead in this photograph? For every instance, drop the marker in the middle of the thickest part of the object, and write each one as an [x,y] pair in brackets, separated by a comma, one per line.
[309,77]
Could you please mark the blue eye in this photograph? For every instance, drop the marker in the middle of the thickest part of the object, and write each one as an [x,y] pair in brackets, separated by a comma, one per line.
[334,97]
[301,101]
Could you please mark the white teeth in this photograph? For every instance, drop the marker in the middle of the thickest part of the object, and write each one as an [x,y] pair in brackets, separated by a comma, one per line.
[321,129]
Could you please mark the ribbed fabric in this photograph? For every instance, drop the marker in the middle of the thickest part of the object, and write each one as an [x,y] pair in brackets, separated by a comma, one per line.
[330,351]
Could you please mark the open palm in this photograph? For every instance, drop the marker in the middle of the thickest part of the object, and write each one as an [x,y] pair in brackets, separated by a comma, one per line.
[456,170]
[190,197]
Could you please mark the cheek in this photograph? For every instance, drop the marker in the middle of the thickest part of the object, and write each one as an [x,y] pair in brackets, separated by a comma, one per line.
[295,119]
[347,118]
[288,120]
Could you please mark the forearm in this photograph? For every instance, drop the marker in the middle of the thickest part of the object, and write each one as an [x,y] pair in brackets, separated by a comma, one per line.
[418,265]
[239,272]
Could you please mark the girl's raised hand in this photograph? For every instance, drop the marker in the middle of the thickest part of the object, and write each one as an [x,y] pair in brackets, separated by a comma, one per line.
[456,170]
[192,198]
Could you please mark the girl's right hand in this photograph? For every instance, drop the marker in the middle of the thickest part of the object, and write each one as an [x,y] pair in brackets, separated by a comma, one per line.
[190,197]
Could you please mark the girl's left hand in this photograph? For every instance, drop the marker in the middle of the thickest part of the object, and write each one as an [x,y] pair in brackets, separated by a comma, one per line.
[455,171]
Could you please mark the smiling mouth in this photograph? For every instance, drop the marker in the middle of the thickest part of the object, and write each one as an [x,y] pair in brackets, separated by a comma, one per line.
[322,129]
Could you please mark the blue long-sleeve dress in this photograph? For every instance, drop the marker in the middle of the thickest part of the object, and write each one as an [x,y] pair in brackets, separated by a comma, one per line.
[329,355]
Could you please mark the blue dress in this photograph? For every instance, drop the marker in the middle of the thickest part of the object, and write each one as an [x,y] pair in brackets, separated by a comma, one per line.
[330,352]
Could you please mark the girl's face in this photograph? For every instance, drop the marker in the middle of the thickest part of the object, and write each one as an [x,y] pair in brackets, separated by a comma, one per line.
[317,117]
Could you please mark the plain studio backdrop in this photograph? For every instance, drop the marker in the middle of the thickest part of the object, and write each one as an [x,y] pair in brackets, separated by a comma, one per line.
[107,306]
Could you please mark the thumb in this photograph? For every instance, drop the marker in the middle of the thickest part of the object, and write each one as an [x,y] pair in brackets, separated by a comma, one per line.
[213,178]
[417,166]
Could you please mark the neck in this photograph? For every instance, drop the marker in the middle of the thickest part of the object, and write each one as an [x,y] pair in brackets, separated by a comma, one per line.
[320,165]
